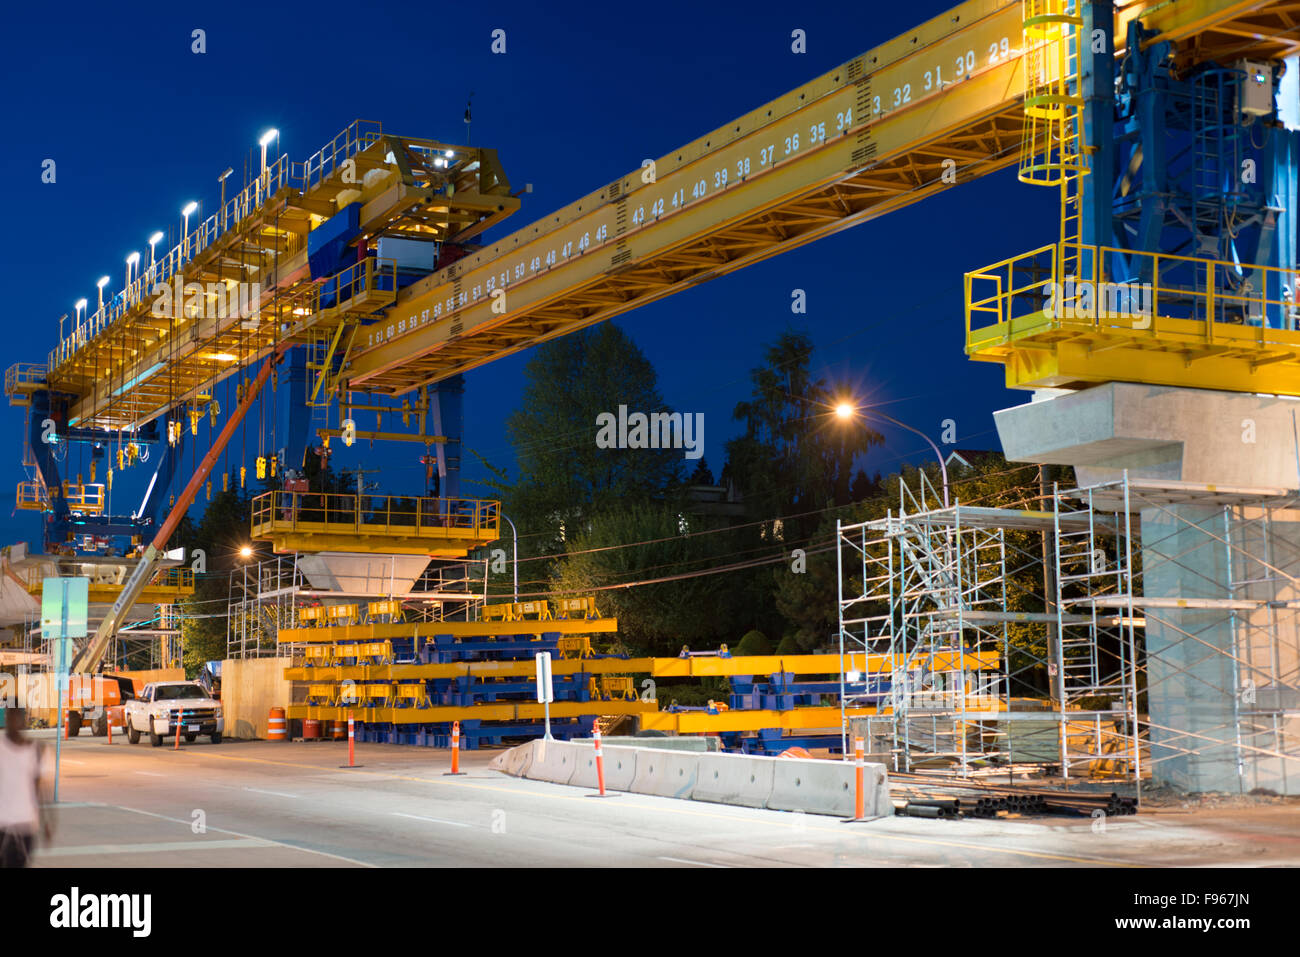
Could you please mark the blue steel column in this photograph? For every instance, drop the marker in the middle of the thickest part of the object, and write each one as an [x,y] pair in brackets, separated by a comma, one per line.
[1097,69]
[293,415]
[447,402]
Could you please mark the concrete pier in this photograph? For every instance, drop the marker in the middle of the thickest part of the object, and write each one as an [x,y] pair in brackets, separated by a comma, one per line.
[1222,679]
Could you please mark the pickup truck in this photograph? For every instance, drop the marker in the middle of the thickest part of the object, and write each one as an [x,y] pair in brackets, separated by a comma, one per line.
[166,708]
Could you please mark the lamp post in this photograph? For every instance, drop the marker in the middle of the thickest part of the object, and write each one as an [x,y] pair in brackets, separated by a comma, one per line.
[153,241]
[132,262]
[103,281]
[515,534]
[264,142]
[222,180]
[185,231]
[846,411]
[80,307]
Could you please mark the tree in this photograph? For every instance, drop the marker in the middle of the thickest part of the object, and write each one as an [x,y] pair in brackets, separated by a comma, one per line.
[220,533]
[793,457]
[659,541]
[564,478]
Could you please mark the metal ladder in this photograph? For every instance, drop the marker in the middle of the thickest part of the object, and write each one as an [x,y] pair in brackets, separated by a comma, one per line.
[1052,146]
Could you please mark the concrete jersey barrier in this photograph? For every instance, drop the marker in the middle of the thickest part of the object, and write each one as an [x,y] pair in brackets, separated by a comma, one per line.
[620,768]
[737,779]
[779,784]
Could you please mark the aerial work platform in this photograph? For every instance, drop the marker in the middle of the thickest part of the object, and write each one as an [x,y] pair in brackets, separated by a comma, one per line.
[391,524]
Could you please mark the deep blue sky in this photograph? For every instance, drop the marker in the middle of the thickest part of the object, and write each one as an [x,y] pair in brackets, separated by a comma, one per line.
[138,125]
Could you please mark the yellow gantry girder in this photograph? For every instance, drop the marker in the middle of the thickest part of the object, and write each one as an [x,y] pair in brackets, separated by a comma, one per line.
[938,105]
[875,134]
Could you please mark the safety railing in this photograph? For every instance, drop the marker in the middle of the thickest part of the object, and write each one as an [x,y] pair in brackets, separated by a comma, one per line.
[1124,291]
[351,141]
[369,279]
[280,174]
[31,496]
[22,376]
[380,515]
[85,498]
[113,577]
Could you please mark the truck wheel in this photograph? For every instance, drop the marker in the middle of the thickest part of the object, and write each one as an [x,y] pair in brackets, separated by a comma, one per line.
[100,726]
[155,739]
[190,737]
[133,735]
[74,723]
[216,737]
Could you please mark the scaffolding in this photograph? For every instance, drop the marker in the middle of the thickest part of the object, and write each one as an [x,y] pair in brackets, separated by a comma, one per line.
[269,596]
[1169,631]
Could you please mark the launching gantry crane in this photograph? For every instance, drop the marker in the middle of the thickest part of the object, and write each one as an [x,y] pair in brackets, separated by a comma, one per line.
[371,289]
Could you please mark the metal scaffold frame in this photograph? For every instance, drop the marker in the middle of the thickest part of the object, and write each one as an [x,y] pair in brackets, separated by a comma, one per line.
[929,584]
[268,596]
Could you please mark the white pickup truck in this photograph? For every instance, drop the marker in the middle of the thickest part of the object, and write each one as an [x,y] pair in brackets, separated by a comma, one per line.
[170,707]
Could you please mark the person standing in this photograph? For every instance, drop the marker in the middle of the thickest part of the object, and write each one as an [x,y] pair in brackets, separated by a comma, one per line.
[20,792]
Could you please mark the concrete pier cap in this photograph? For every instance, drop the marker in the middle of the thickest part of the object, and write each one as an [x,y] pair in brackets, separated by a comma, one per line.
[1158,432]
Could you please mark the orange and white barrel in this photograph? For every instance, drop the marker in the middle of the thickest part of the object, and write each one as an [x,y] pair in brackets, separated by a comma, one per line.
[277,728]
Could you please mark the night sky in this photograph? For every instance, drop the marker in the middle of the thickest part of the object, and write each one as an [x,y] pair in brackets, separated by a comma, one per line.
[138,125]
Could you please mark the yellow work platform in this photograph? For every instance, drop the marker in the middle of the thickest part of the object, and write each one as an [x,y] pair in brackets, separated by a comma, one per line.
[1176,326]
[501,711]
[387,524]
[167,587]
[22,379]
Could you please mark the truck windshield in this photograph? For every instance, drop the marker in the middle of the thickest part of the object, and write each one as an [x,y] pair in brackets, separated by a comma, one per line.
[177,692]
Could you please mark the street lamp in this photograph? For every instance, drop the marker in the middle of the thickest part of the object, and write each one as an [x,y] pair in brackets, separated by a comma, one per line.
[103,281]
[846,410]
[80,307]
[222,181]
[185,233]
[246,552]
[264,142]
[153,241]
[132,261]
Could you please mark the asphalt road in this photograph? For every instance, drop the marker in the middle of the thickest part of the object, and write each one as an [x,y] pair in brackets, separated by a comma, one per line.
[292,805]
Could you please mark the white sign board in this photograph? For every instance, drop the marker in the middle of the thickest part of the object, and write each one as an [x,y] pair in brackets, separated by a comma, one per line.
[545,690]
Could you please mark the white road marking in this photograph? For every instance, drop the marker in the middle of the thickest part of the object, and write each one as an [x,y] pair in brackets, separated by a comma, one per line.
[152,774]
[156,848]
[276,793]
[266,840]
[434,820]
[681,860]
